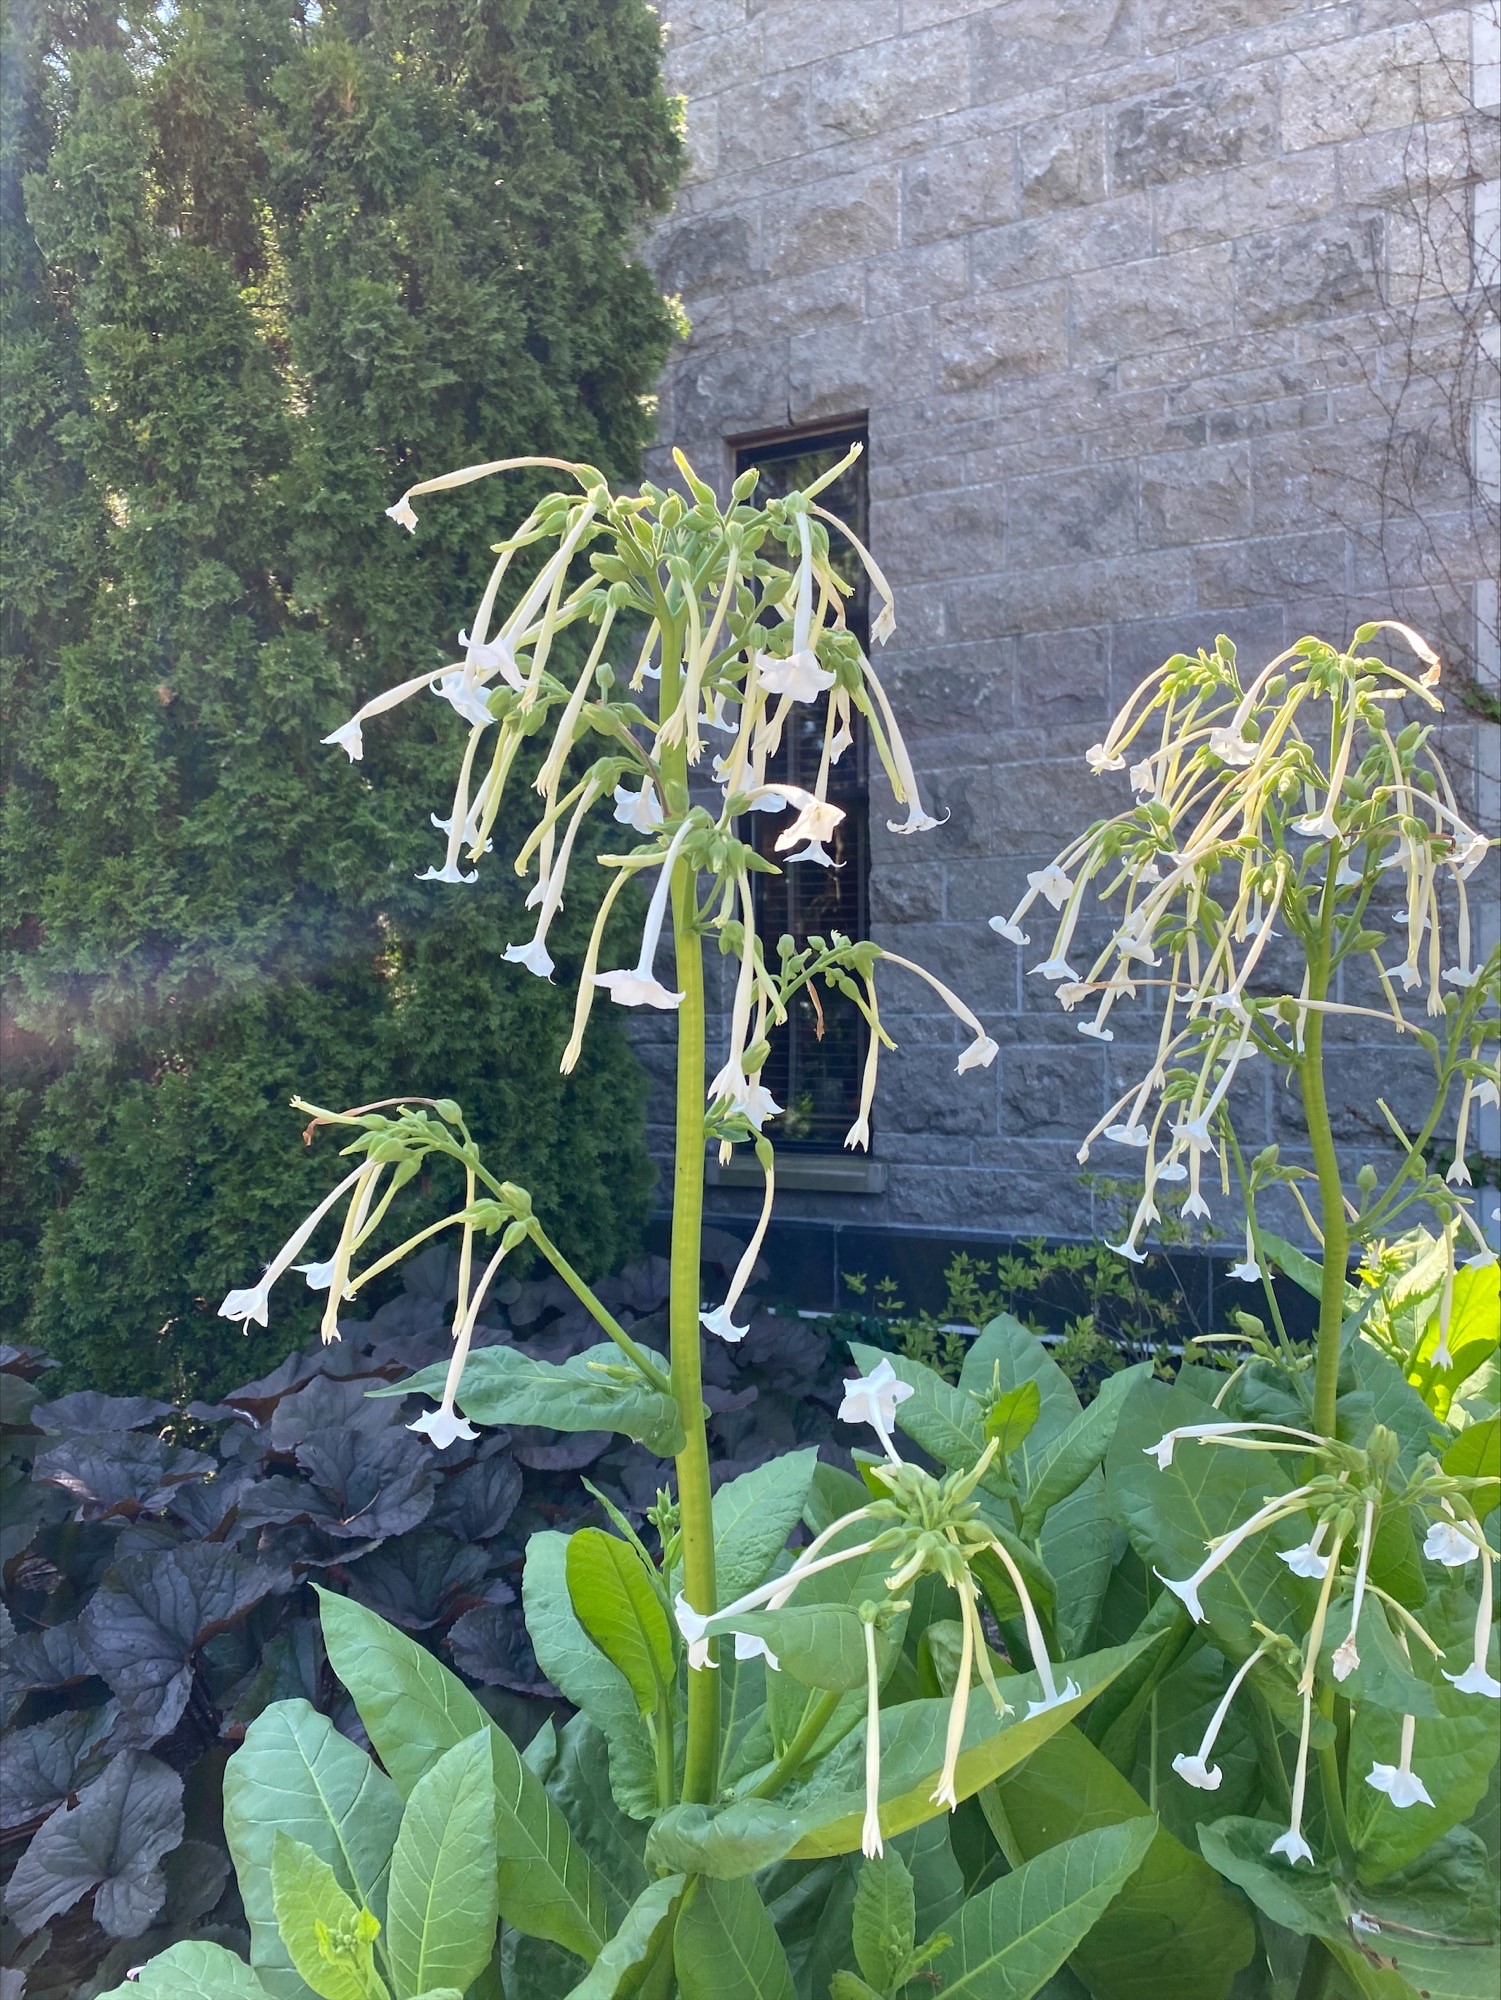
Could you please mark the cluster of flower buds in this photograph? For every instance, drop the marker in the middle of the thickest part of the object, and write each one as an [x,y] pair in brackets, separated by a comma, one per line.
[1277,804]
[1345,1499]
[737,616]
[925,1526]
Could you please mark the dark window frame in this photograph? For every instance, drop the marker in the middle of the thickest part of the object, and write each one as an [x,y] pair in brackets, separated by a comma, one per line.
[818,1079]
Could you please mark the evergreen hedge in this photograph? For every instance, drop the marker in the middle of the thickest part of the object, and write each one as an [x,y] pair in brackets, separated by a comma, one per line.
[262,268]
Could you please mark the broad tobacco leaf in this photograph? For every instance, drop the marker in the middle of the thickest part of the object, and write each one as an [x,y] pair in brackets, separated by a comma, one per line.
[111,1842]
[1172,1514]
[148,1618]
[754,1515]
[192,1971]
[596,1390]
[1450,1953]
[620,1967]
[296,1774]
[829,1807]
[725,1946]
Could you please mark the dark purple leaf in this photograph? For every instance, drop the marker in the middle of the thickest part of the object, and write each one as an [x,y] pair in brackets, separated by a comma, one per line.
[490,1645]
[128,1474]
[18,1401]
[321,1406]
[279,1498]
[91,1410]
[412,1581]
[476,1503]
[112,1841]
[549,1451]
[28,1361]
[150,1615]
[370,1483]
[43,1765]
[289,1669]
[54,1656]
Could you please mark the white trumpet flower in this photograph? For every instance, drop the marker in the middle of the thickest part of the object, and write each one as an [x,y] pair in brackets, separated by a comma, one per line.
[872,1399]
[1197,1770]
[250,1301]
[1347,1653]
[1399,1781]
[1448,1544]
[870,1829]
[1477,1677]
[799,677]
[640,987]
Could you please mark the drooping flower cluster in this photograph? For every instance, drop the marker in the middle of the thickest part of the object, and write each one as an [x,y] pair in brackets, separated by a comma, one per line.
[1280,804]
[925,1526]
[1346,1499]
[737,616]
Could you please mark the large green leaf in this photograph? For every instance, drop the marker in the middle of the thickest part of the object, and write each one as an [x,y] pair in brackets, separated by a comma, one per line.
[598,1390]
[322,1928]
[195,1971]
[615,1599]
[1172,1513]
[1173,1932]
[412,1706]
[830,1806]
[1454,1747]
[618,1971]
[296,1774]
[1409,1939]
[1394,1401]
[1013,1936]
[1474,1334]
[885,1919]
[443,1901]
[754,1515]
[1005,1355]
[1079,1449]
[576,1666]
[723,1841]
[578,1783]
[725,1947]
[820,1645]
[415,1710]
[1076,1543]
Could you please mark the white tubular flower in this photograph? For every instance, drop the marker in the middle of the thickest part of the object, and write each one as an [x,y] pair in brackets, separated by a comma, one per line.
[1197,1769]
[721,1321]
[1009,929]
[980,1054]
[403,515]
[814,851]
[1323,826]
[1448,1544]
[1306,1559]
[249,1302]
[747,1095]
[872,1399]
[640,986]
[1292,1843]
[944,1792]
[1053,883]
[444,1426]
[749,1647]
[814,823]
[1347,1653]
[870,1830]
[1187,1588]
[321,1276]
[449,872]
[641,810]
[1232,748]
[535,955]
[464,696]
[1128,1134]
[1399,1781]
[799,676]
[1248,1270]
[1052,1694]
[1099,759]
[1477,1677]
[694,1626]
[349,737]
[1055,968]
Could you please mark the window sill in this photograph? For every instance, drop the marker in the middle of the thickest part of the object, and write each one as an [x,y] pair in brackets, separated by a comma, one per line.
[813,1173]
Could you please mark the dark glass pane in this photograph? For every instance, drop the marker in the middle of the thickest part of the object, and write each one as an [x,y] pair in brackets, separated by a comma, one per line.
[816,1061]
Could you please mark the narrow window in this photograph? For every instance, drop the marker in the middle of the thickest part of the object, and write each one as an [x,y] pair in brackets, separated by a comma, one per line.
[816,1062]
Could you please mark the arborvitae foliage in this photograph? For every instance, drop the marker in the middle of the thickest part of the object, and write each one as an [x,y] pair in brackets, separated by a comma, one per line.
[264,266]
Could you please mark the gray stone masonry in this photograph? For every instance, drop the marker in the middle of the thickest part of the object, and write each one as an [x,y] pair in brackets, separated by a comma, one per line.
[1164,315]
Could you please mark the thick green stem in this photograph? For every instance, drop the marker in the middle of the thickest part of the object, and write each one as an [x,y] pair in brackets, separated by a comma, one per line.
[1331,1201]
[815,1721]
[695,1509]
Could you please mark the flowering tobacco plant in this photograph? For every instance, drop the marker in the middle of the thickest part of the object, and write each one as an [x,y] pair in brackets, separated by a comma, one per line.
[742,1708]
[1307,1513]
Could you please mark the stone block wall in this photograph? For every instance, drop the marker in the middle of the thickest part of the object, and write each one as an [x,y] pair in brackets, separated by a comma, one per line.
[1169,317]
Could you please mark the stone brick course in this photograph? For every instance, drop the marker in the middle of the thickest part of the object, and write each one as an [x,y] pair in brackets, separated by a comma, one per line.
[1156,310]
